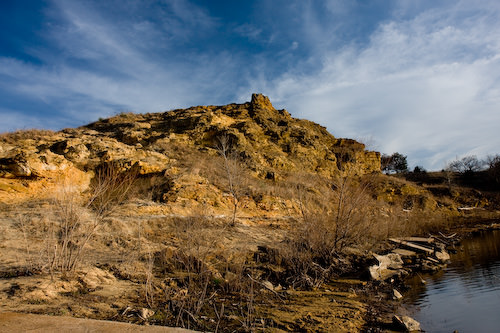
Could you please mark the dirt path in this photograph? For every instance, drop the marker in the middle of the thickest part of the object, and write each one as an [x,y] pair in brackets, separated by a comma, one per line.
[20,322]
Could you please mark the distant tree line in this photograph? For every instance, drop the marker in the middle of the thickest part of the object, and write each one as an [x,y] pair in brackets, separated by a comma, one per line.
[467,167]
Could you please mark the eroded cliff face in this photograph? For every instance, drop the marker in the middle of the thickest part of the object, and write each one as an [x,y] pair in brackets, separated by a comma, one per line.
[269,142]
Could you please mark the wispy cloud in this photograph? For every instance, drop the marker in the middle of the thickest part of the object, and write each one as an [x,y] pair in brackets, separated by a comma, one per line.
[102,67]
[419,77]
[430,82]
[249,31]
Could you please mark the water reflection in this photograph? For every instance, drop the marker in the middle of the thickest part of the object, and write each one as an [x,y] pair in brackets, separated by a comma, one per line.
[466,295]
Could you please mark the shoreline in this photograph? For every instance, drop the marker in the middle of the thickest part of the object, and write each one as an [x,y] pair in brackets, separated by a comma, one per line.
[379,295]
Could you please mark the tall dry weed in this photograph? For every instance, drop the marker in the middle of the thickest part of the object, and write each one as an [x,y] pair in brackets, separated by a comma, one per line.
[77,217]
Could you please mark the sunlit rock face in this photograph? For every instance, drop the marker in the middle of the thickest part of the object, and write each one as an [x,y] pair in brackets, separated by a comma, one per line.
[269,142]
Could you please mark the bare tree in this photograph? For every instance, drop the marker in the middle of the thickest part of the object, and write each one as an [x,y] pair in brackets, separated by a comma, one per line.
[232,170]
[328,226]
[466,165]
[494,168]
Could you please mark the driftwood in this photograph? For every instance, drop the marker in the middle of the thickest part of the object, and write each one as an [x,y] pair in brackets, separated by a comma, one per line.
[418,239]
[412,245]
[449,236]
[433,260]
[405,253]
[413,250]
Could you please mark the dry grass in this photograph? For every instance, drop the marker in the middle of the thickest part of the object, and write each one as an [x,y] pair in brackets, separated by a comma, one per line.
[21,135]
[71,219]
[196,278]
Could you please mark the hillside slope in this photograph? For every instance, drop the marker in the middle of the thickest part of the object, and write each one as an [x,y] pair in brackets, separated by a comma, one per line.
[174,146]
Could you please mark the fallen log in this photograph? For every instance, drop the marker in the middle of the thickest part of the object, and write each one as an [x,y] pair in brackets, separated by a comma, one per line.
[405,253]
[418,239]
[412,245]
[432,260]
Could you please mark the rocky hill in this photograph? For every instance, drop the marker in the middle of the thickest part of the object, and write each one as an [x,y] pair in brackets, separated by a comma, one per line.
[268,143]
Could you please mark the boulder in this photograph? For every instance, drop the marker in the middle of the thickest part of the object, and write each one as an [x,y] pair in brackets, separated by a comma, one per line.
[406,323]
[389,265]
[14,167]
[442,256]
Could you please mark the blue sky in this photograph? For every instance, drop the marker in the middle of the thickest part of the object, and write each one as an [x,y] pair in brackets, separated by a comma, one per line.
[414,76]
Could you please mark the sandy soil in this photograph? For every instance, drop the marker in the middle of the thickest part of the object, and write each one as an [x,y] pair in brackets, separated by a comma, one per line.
[20,322]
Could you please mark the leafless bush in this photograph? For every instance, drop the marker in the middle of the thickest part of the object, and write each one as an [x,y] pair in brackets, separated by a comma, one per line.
[69,231]
[203,278]
[108,189]
[232,170]
[195,254]
[313,251]
[77,217]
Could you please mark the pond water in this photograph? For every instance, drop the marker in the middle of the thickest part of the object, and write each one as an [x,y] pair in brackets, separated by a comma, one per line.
[465,296]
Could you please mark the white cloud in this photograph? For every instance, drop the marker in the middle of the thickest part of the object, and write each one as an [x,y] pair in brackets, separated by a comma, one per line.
[425,82]
[118,73]
[249,31]
[427,87]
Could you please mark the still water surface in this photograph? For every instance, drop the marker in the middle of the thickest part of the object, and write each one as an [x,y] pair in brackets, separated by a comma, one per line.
[466,295]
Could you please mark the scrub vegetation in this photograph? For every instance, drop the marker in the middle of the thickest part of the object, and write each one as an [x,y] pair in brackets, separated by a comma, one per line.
[232,218]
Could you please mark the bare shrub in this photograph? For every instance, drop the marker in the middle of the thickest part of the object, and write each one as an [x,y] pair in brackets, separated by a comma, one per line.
[195,255]
[77,217]
[232,170]
[351,211]
[195,284]
[69,231]
[109,188]
[314,249]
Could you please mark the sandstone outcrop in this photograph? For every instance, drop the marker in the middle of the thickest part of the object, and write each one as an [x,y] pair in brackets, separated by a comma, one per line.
[269,142]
